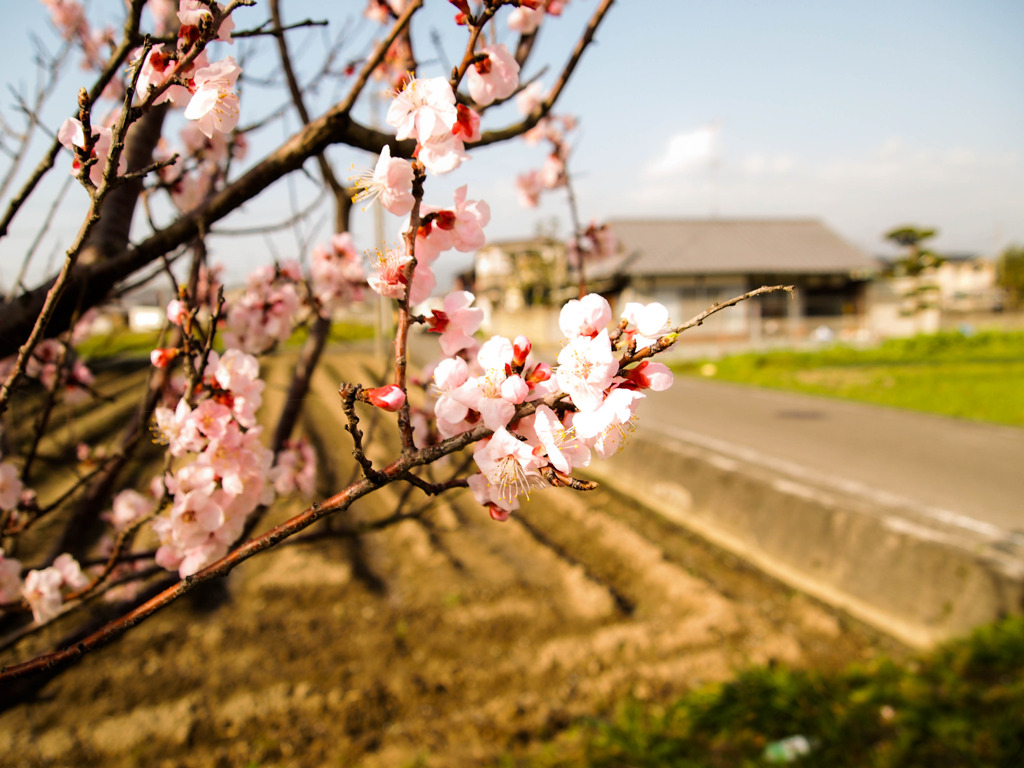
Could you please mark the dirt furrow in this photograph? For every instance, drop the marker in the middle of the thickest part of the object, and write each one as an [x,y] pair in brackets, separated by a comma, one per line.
[448,639]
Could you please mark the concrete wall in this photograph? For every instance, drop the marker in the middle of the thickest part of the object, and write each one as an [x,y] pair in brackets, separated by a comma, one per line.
[909,577]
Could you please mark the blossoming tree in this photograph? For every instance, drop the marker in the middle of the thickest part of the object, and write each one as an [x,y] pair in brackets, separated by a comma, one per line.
[525,423]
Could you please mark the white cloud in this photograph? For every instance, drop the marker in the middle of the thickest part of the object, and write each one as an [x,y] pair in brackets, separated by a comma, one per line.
[686,151]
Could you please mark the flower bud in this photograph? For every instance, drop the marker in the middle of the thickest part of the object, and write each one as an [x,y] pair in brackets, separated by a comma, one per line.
[161,358]
[497,513]
[520,351]
[390,397]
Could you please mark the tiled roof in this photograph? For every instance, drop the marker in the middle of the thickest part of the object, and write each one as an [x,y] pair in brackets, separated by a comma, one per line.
[736,246]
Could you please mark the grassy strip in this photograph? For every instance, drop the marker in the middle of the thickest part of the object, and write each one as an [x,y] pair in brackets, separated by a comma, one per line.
[961,705]
[977,377]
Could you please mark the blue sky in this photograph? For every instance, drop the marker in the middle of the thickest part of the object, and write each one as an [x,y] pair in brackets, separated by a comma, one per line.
[867,115]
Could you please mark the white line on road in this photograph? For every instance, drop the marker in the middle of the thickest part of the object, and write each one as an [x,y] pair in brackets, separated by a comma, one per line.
[841,484]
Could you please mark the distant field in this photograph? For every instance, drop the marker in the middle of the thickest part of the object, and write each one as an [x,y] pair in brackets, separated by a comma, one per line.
[125,343]
[979,377]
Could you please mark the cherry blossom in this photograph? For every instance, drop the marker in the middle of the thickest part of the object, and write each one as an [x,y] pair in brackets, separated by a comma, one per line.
[494,76]
[531,97]
[449,374]
[390,182]
[494,394]
[605,428]
[214,103]
[161,358]
[555,440]
[10,486]
[647,322]
[70,571]
[649,375]
[486,495]
[423,109]
[509,465]
[442,154]
[390,281]
[528,188]
[457,322]
[42,591]
[337,273]
[525,20]
[72,134]
[129,506]
[464,223]
[586,368]
[585,317]
[295,468]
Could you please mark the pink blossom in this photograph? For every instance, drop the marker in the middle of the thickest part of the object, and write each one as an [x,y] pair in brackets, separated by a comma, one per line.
[486,495]
[496,76]
[450,374]
[457,322]
[464,223]
[467,124]
[442,154]
[72,134]
[423,283]
[71,571]
[521,348]
[431,241]
[337,274]
[180,432]
[129,506]
[552,172]
[509,465]
[530,98]
[214,103]
[156,69]
[585,317]
[647,322]
[528,188]
[390,280]
[650,375]
[493,394]
[238,373]
[262,316]
[423,109]
[556,441]
[390,182]
[525,20]
[42,591]
[10,486]
[606,427]
[586,368]
[295,468]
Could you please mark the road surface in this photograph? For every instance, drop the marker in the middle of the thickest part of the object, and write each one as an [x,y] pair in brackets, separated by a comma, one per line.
[963,473]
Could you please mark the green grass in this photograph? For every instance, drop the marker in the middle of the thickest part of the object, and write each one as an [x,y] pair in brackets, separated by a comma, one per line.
[961,705]
[978,377]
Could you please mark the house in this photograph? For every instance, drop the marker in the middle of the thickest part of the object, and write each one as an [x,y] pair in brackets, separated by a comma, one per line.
[690,264]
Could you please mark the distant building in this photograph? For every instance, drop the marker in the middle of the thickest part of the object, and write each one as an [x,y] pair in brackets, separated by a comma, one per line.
[962,282]
[690,264]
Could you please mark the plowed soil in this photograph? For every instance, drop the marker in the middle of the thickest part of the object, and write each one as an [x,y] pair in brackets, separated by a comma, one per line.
[449,640]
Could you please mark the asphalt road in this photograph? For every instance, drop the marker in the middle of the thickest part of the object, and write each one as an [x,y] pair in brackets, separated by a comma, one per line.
[963,473]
